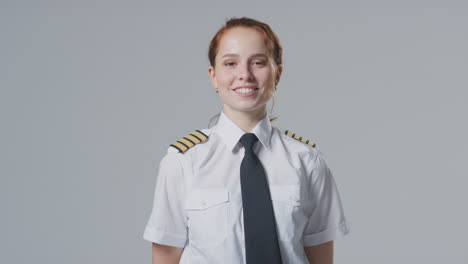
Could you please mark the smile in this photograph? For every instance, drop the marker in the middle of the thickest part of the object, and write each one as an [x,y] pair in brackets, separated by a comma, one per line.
[245,90]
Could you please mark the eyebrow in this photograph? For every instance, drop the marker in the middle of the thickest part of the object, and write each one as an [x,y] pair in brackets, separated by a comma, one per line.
[237,55]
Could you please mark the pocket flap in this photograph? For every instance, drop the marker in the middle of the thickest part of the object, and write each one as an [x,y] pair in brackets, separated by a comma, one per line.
[286,193]
[201,199]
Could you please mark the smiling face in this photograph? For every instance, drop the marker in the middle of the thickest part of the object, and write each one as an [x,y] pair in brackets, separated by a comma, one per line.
[243,74]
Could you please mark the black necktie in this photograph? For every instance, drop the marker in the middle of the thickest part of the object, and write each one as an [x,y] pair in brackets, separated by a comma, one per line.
[261,241]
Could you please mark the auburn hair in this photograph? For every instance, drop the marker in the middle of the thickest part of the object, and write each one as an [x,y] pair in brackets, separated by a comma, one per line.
[274,47]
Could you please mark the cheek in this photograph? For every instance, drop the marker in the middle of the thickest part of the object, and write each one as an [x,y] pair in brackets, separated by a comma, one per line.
[224,77]
[266,77]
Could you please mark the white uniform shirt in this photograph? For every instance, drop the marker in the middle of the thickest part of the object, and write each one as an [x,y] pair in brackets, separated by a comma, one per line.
[198,202]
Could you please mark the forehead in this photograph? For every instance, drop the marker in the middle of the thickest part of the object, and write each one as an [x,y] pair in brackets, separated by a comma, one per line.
[242,41]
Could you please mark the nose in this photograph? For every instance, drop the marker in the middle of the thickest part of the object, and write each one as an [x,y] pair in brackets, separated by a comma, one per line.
[245,73]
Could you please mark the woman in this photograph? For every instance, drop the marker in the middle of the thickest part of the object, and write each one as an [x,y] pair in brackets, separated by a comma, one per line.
[244,191]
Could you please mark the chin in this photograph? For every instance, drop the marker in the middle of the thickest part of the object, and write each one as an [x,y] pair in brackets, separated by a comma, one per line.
[248,109]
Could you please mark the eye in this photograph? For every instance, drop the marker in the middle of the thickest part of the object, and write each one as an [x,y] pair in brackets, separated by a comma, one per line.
[229,63]
[260,62]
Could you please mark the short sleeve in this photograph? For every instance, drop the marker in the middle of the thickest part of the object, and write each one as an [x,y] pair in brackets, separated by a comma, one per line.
[326,219]
[167,222]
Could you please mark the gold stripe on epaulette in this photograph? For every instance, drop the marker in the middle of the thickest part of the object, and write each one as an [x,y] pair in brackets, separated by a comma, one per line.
[187,142]
[296,137]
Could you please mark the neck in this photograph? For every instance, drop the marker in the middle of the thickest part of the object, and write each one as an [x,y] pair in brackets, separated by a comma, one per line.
[246,120]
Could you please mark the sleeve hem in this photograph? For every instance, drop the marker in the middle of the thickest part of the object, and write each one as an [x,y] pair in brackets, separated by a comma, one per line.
[327,235]
[165,238]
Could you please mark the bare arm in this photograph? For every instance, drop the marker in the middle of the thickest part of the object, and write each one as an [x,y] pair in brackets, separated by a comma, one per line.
[163,254]
[320,254]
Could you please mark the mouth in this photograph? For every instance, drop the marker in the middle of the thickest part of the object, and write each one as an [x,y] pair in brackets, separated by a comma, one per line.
[245,89]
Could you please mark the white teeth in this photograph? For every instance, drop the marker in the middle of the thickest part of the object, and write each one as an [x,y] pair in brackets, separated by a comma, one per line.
[245,90]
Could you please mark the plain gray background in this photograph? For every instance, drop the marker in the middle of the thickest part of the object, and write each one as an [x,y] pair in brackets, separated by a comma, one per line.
[92,93]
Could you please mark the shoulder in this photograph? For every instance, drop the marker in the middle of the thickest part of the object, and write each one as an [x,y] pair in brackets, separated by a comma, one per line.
[298,144]
[306,149]
[291,134]
[189,141]
[290,137]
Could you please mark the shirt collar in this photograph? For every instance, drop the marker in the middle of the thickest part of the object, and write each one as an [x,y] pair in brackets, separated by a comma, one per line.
[230,133]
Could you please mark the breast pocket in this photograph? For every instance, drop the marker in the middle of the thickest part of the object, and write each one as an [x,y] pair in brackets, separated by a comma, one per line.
[289,214]
[207,211]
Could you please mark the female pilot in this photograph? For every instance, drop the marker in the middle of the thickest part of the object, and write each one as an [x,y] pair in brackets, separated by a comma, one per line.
[244,191]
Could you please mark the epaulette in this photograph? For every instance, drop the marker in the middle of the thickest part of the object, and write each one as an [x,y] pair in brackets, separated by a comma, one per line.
[303,140]
[185,143]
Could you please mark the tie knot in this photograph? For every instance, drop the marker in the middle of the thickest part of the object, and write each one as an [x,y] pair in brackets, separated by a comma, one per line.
[248,140]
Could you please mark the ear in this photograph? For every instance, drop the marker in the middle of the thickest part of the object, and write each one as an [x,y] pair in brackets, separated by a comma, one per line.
[278,74]
[211,73]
